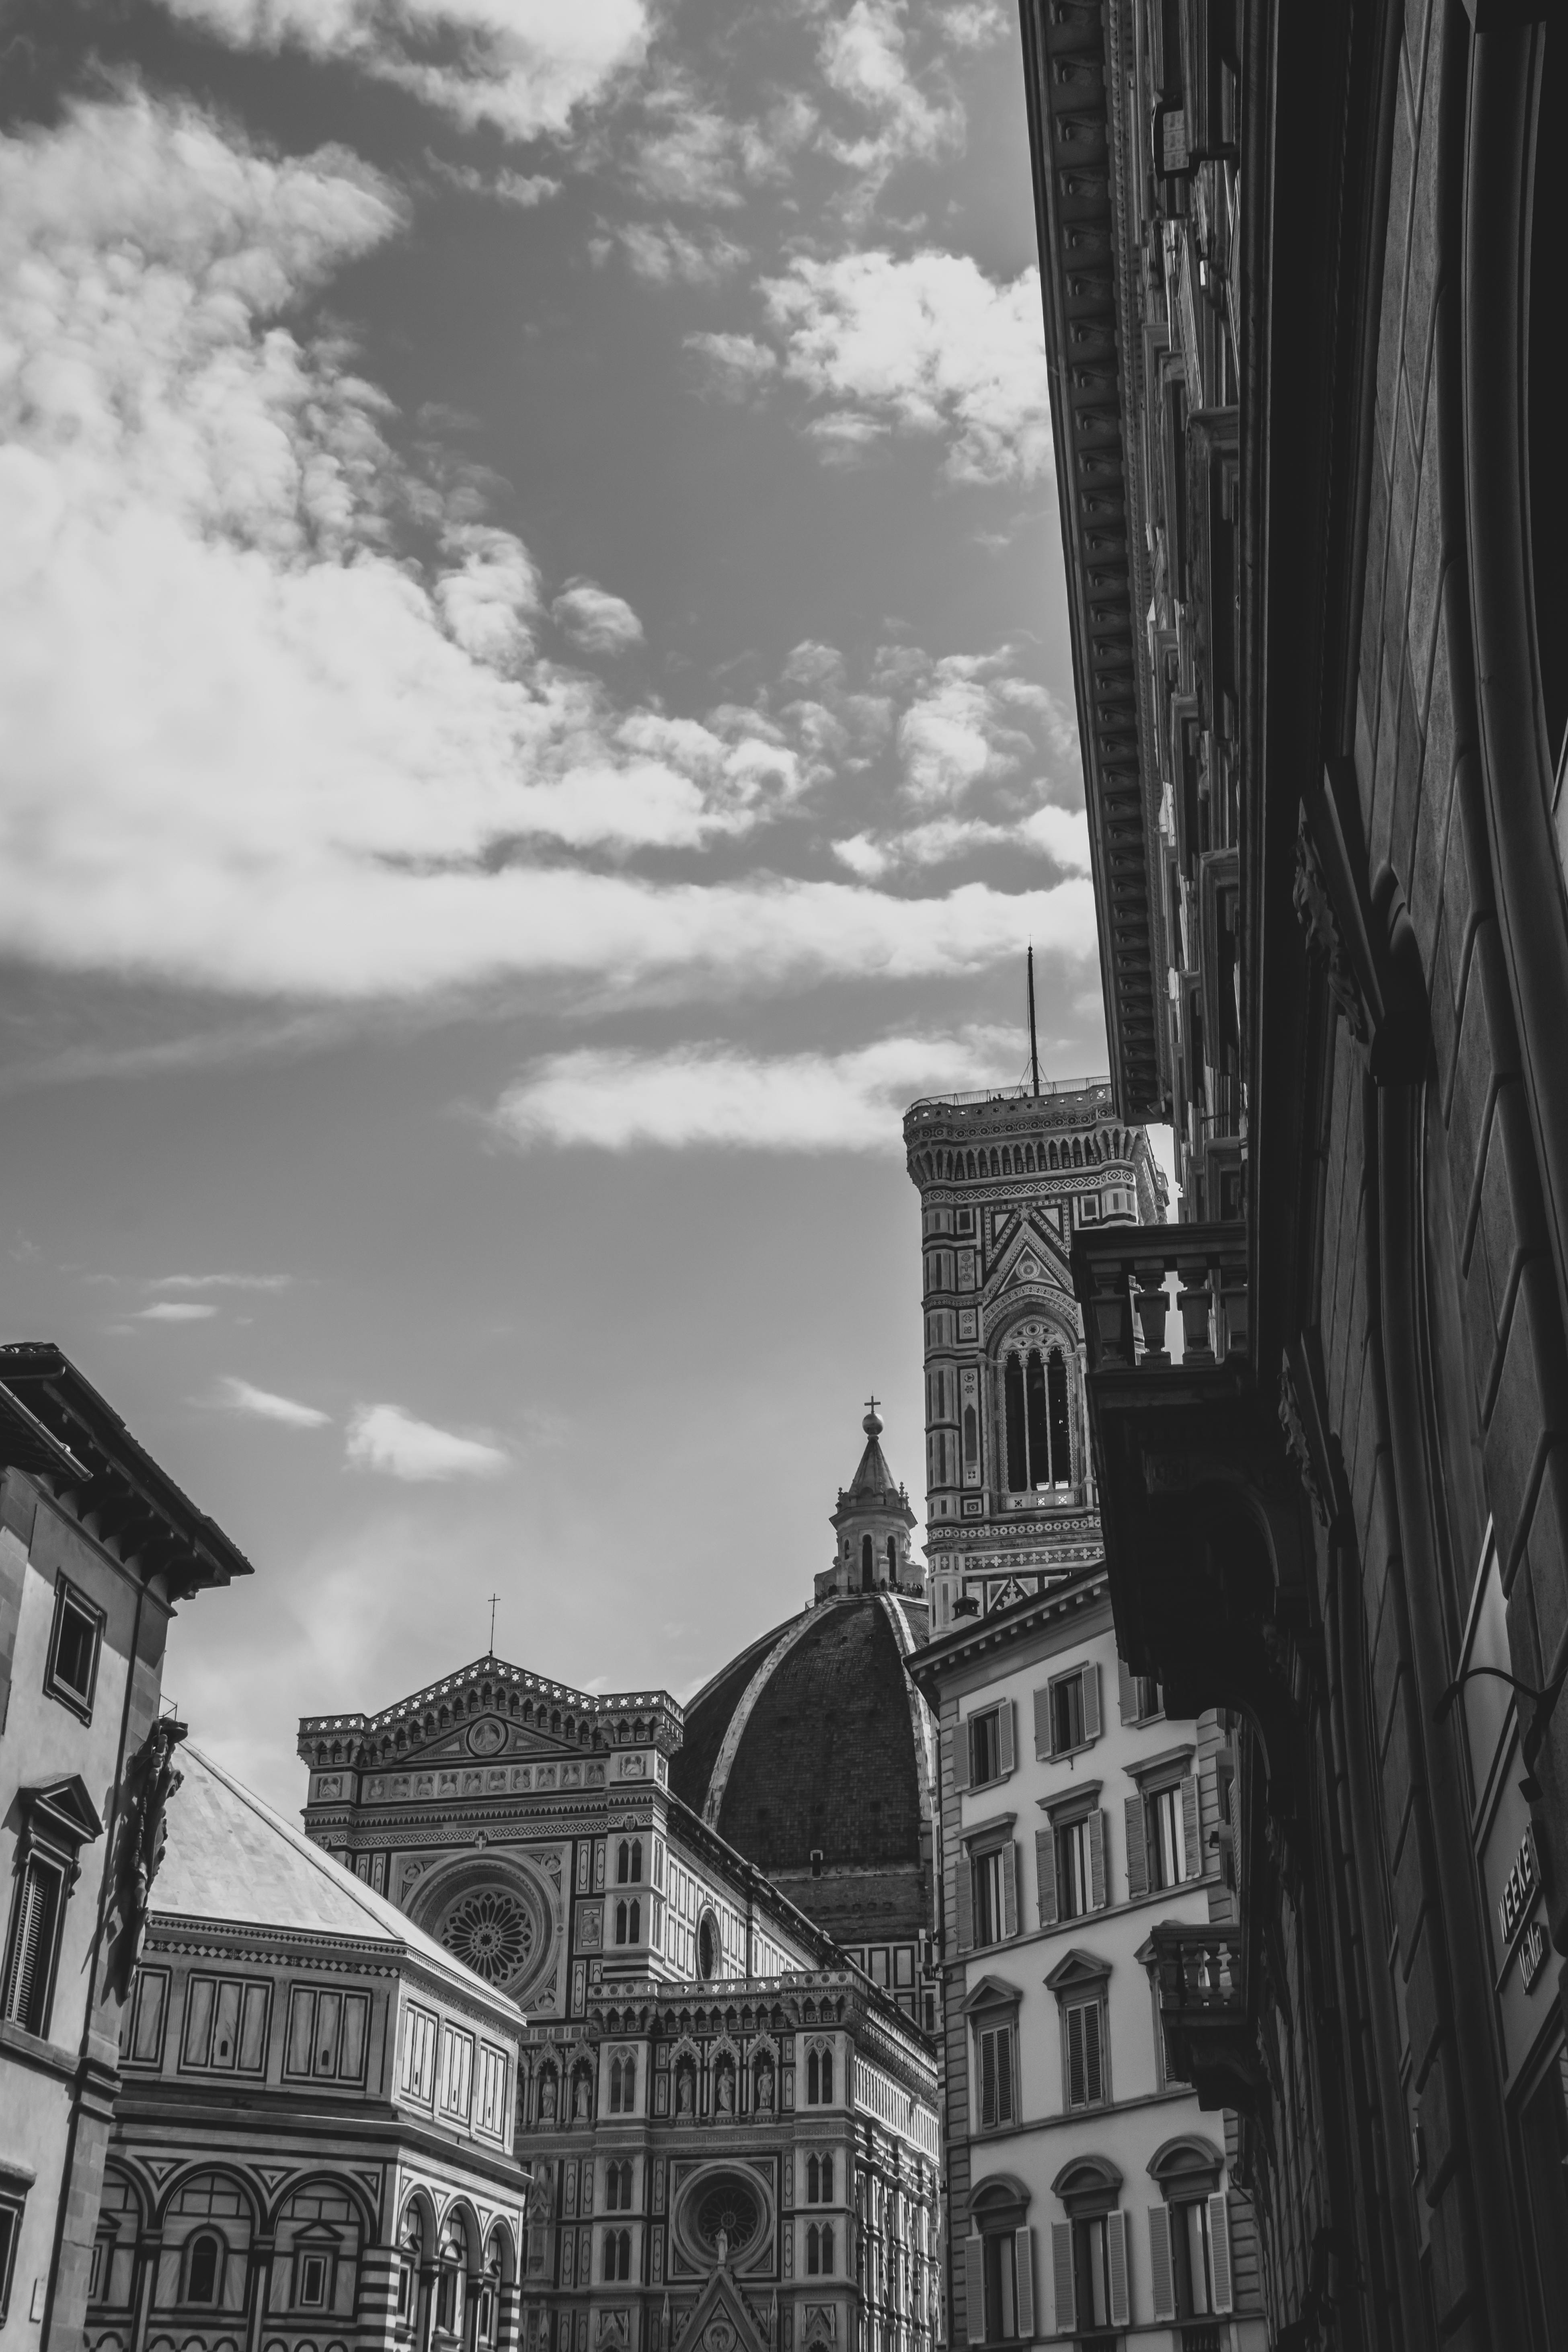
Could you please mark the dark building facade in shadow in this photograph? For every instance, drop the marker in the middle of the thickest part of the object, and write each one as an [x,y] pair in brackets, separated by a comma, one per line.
[1301,278]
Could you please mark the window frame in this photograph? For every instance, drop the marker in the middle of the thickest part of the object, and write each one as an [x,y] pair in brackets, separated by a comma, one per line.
[69,1596]
[214,2302]
[12,2209]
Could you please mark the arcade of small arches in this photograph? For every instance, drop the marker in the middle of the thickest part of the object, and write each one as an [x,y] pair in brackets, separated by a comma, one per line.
[216,2244]
[878,1561]
[1106,1145]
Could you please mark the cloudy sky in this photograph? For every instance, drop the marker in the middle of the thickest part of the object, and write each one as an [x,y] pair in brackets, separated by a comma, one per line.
[534,717]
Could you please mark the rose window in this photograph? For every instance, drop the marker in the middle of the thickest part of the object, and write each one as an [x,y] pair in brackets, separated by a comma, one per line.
[490,1933]
[732,2207]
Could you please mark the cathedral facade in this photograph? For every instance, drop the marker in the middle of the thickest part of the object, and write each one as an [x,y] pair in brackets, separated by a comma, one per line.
[718,1933]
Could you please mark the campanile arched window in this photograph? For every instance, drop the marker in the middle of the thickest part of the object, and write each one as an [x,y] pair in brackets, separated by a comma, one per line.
[1038,1419]
[866,1569]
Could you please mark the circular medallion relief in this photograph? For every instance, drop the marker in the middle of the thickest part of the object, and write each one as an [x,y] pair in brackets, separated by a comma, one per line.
[727,2206]
[490,1932]
[486,1737]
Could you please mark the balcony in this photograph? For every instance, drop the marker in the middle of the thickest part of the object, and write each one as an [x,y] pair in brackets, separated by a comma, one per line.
[1209,2040]
[1201,1504]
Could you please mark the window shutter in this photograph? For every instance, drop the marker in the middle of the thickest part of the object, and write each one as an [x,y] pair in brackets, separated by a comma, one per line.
[1137,1849]
[1062,2278]
[1195,1858]
[1116,2262]
[1094,2051]
[1010,1888]
[27,1969]
[1004,2075]
[1097,1887]
[1042,1727]
[1092,1701]
[1219,2249]
[1075,2057]
[1126,1697]
[1046,1875]
[1024,2264]
[1162,2279]
[963,1771]
[1004,1741]
[974,2290]
[987,2080]
[964,1875]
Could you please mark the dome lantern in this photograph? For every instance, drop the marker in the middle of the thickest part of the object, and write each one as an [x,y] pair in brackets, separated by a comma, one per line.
[871,1526]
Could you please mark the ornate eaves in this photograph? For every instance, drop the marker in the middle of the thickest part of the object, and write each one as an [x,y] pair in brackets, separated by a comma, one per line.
[1089,333]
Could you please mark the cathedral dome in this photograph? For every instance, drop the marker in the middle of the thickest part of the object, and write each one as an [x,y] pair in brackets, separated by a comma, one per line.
[812,1753]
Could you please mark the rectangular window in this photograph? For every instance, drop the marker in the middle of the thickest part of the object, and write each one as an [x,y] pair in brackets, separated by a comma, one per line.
[326,2034]
[144,2045]
[1083,2034]
[1191,2260]
[1163,1816]
[226,2024]
[36,1915]
[490,2105]
[1092,2267]
[1072,1871]
[984,1749]
[418,2079]
[987,1873]
[1066,1715]
[313,2281]
[996,2101]
[74,1644]
[10,2232]
[1001,2289]
[456,2071]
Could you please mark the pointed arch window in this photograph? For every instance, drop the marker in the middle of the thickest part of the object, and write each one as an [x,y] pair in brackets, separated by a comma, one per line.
[867,1571]
[892,1561]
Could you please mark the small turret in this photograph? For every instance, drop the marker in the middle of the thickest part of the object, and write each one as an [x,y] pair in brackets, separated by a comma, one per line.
[872,1525]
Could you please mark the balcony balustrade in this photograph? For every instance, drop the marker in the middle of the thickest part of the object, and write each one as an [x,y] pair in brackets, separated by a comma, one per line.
[1122,1287]
[1201,1973]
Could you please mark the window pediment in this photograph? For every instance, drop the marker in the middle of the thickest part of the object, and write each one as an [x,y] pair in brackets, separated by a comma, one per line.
[1077,1971]
[62,1812]
[1150,1772]
[988,1835]
[993,1992]
[1068,1803]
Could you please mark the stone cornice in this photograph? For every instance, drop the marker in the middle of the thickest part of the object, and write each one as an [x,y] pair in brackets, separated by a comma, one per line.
[1090,340]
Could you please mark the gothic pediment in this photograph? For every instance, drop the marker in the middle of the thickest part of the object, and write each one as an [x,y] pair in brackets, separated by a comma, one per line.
[720,2322]
[1033,1254]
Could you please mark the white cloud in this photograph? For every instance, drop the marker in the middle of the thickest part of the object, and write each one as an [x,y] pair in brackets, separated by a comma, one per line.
[221,1282]
[596,620]
[384,1437]
[734,365]
[864,58]
[524,190]
[264,1404]
[524,65]
[708,1094]
[665,255]
[1057,834]
[1062,834]
[929,347]
[176,1310]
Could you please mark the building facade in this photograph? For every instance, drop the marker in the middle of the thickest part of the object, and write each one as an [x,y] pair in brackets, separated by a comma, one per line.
[1005,1181]
[1088,2195]
[315,2129]
[728,2126]
[97,1546]
[1300,307]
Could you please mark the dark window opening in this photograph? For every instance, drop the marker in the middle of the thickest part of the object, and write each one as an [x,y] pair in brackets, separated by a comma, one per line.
[867,1556]
[1066,1715]
[203,2269]
[73,1649]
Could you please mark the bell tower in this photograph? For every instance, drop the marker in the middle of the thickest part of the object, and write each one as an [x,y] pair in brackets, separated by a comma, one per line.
[871,1526]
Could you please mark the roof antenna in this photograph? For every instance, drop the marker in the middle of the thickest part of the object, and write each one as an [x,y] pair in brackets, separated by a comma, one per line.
[1034,1041]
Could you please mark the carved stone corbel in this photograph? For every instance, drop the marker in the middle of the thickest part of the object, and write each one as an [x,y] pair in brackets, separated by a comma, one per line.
[1314,908]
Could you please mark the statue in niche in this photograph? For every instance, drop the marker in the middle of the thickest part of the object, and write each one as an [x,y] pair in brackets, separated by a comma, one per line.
[684,2099]
[724,2094]
[765,2090]
[580,2100]
[547,2096]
